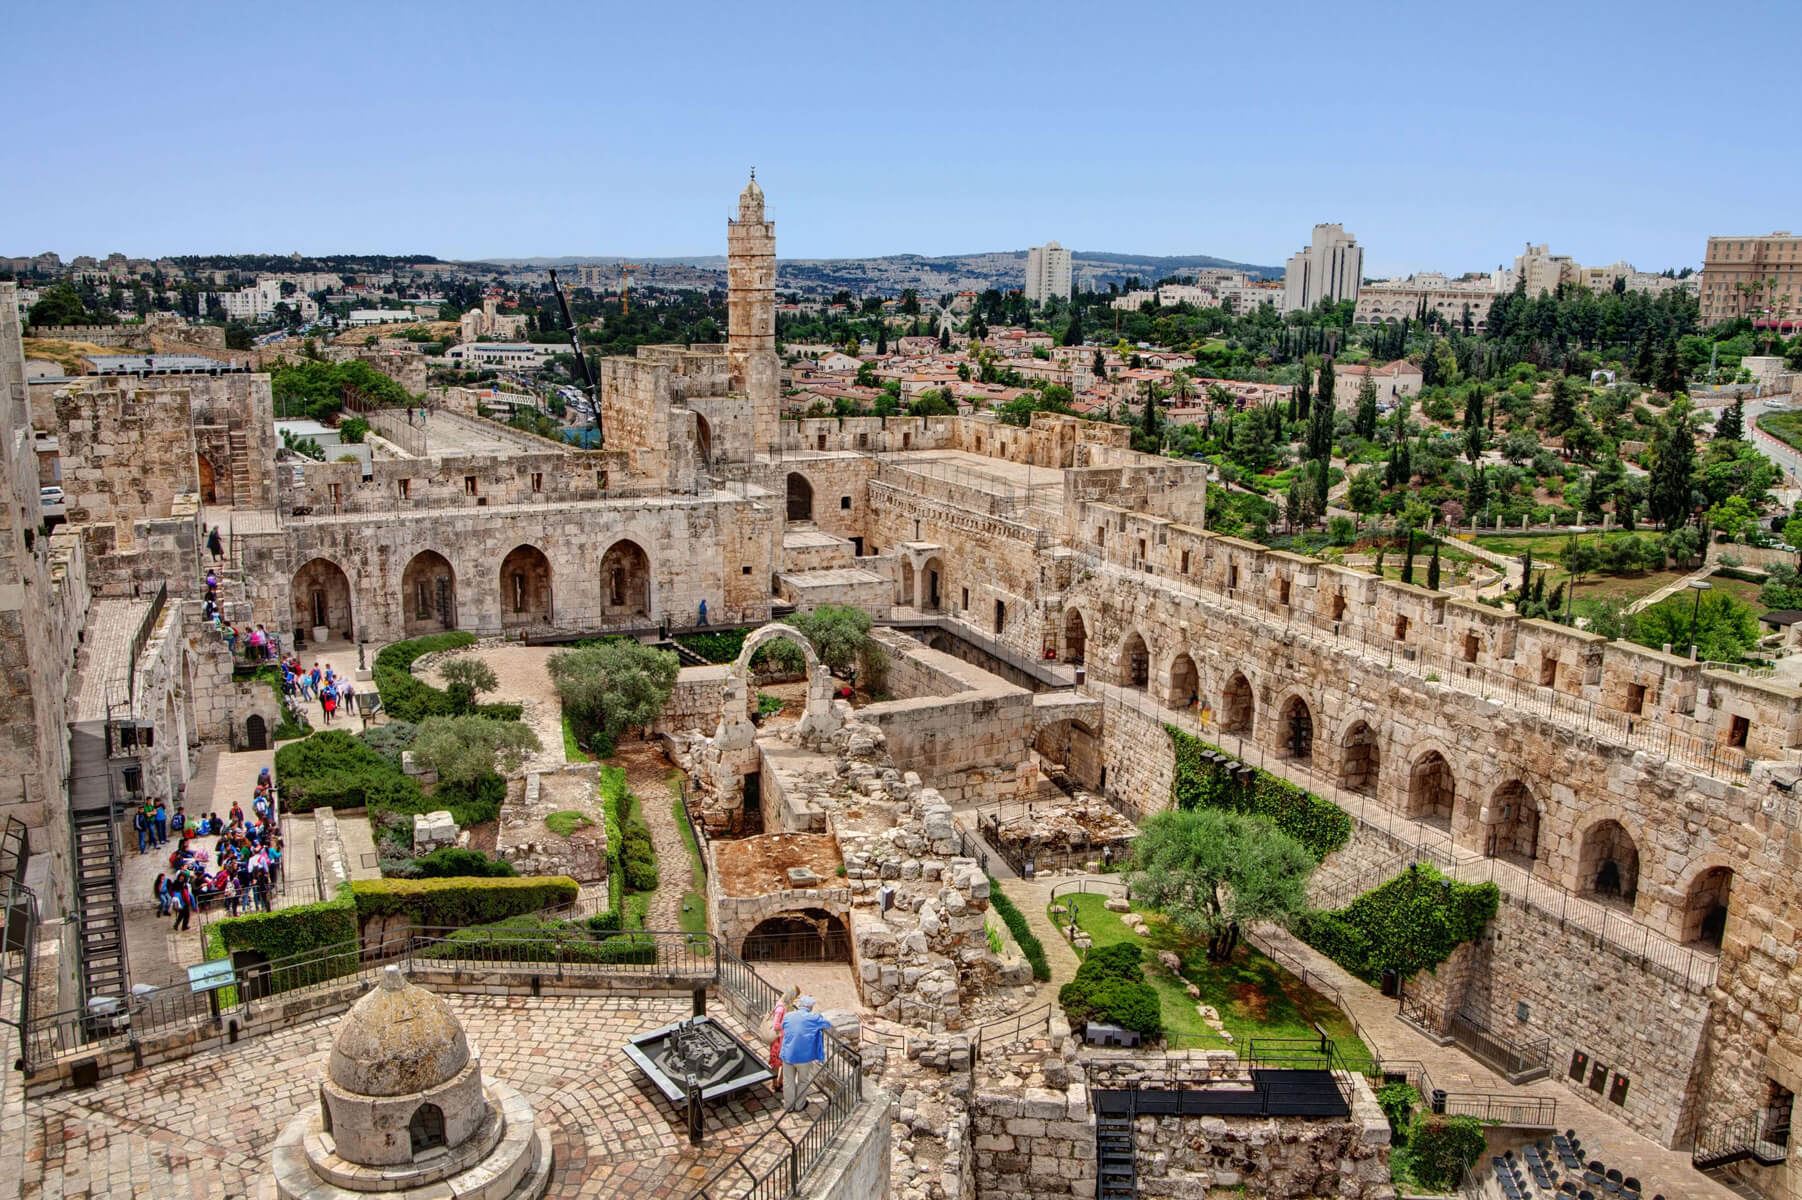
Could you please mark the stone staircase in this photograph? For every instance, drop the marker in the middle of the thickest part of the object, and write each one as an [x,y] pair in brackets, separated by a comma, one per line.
[242,476]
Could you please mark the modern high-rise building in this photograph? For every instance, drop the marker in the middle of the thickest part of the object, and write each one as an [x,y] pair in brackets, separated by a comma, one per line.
[1756,277]
[1047,273]
[1329,268]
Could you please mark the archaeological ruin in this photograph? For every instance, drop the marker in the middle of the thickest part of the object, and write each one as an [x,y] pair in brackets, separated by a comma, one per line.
[1055,615]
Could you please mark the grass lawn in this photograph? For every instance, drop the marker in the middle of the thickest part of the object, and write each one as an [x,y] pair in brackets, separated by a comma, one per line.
[693,917]
[571,751]
[566,821]
[1740,590]
[1253,995]
[1784,426]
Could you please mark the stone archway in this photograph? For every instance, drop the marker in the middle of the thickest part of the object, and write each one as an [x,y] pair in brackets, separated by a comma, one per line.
[1608,862]
[1185,682]
[704,440]
[1705,907]
[625,581]
[1359,759]
[802,935]
[428,594]
[1238,706]
[934,584]
[1134,662]
[320,594]
[525,585]
[1432,790]
[1511,825]
[1076,636]
[1296,727]
[800,497]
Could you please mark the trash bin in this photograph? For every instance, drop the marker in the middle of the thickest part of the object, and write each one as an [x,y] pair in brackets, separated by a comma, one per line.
[1391,982]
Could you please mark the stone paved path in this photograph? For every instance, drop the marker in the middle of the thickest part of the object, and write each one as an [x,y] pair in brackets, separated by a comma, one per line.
[1032,897]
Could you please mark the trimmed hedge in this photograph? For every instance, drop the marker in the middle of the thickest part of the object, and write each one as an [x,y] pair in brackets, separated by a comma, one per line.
[448,862]
[1029,944]
[541,939]
[335,769]
[302,929]
[717,646]
[631,855]
[1318,824]
[405,697]
[1412,923]
[461,900]
[1110,987]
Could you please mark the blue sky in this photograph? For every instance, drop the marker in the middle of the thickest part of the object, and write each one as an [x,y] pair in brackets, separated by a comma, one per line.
[1444,136]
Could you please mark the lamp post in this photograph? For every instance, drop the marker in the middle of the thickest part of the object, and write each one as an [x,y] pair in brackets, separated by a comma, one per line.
[1695,612]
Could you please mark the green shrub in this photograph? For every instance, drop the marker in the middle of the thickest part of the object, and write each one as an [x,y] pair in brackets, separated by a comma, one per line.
[334,769]
[604,922]
[567,821]
[1412,923]
[1399,1102]
[471,803]
[459,901]
[1110,987]
[301,929]
[452,861]
[1029,944]
[1318,824]
[1442,1149]
[716,646]
[390,739]
[406,697]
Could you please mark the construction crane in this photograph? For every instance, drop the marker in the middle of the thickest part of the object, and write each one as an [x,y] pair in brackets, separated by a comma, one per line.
[589,386]
[625,286]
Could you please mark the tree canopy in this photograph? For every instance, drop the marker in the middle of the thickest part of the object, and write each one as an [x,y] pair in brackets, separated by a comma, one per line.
[1211,871]
[611,687]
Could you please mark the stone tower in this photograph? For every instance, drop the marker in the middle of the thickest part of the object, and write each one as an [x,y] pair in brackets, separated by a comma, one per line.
[751,315]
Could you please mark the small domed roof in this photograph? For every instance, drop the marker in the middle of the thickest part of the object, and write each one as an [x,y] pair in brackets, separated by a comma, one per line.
[398,1039]
[750,201]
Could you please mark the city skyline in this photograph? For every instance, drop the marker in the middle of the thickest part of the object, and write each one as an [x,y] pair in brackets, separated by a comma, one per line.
[475,148]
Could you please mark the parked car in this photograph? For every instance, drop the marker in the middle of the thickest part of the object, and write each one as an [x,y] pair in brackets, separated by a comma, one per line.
[50,495]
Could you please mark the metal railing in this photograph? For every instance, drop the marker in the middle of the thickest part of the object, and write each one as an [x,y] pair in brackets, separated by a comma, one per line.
[1753,1135]
[146,627]
[1517,1062]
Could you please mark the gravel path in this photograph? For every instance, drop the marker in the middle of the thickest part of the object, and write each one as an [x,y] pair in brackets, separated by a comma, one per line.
[647,773]
[521,677]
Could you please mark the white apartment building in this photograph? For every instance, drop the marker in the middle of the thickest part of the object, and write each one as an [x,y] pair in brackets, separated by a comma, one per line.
[527,355]
[379,316]
[1391,301]
[1330,268]
[1047,273]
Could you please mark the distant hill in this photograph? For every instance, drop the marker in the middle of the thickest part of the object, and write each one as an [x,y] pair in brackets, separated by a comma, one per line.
[890,273]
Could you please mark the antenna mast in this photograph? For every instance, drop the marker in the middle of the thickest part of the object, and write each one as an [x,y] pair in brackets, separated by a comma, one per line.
[575,343]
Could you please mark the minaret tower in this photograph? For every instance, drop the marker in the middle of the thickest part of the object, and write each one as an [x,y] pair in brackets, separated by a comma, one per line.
[751,315]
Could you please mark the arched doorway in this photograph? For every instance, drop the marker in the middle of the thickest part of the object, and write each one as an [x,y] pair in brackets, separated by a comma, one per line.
[1513,825]
[1297,729]
[1071,749]
[320,591]
[1359,759]
[1432,790]
[1608,863]
[425,1130]
[625,581]
[807,935]
[428,591]
[800,497]
[1237,705]
[1705,908]
[209,479]
[933,577]
[525,588]
[704,440]
[256,732]
[1076,637]
[1135,662]
[1185,682]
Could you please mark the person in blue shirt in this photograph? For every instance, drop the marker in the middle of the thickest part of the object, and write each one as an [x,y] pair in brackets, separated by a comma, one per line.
[803,1050]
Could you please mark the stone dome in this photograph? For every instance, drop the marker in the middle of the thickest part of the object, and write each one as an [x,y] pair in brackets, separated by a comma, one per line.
[398,1039]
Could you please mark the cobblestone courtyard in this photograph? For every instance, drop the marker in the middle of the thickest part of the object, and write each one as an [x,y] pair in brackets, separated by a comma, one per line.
[203,1127]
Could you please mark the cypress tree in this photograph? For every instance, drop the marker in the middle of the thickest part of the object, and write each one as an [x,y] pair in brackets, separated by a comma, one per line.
[1433,569]
[1526,581]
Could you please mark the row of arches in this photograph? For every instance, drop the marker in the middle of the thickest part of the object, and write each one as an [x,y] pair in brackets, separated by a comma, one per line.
[1506,823]
[321,594]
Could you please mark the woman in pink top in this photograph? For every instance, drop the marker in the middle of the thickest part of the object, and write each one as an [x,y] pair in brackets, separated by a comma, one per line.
[776,1017]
